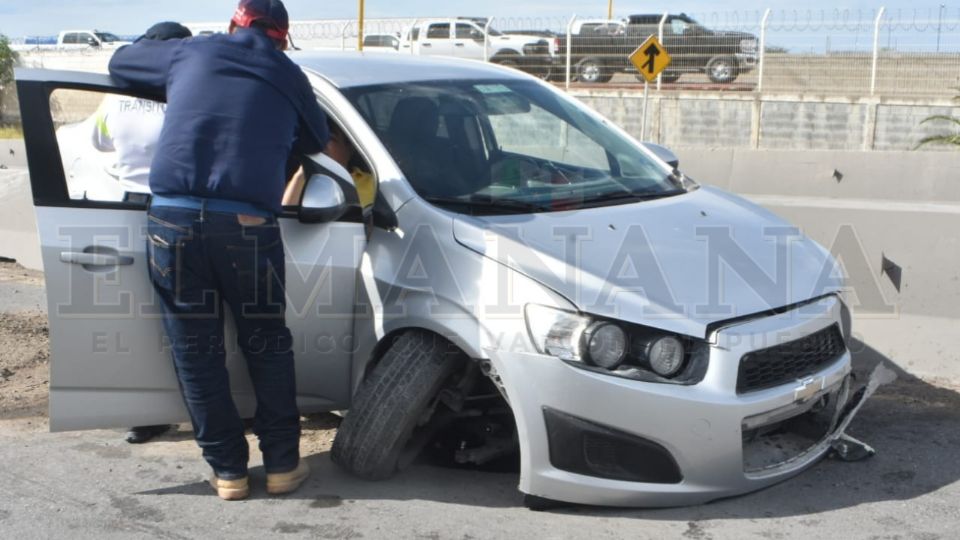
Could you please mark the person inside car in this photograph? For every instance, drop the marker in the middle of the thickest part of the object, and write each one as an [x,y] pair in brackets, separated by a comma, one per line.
[341,150]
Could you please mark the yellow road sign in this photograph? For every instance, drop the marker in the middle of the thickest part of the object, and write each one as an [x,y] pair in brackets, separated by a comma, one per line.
[650,58]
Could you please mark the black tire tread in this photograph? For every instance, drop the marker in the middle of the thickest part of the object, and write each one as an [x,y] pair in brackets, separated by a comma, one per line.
[390,401]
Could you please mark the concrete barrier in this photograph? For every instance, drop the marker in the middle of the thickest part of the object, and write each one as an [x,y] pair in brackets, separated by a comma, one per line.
[893,221]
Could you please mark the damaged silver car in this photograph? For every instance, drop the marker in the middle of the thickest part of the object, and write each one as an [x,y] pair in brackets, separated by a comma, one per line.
[526,281]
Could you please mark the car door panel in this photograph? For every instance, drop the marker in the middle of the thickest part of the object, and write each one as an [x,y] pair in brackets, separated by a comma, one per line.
[110,361]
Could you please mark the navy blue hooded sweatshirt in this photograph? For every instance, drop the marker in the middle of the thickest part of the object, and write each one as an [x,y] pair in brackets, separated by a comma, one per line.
[236,109]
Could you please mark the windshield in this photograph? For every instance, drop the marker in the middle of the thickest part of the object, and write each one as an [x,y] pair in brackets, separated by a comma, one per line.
[107,37]
[507,146]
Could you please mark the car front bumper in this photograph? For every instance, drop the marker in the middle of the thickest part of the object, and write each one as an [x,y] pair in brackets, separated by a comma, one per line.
[746,61]
[700,426]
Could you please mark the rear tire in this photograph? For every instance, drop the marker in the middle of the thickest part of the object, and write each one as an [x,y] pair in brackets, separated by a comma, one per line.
[393,401]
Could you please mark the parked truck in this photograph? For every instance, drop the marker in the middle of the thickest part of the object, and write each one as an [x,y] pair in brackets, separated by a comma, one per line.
[597,56]
[75,40]
[471,37]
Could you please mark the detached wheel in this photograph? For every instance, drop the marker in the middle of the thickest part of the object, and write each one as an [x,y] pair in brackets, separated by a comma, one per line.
[409,396]
[723,69]
[591,70]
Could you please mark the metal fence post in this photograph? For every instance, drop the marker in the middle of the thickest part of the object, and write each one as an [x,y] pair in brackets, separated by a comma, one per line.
[409,37]
[486,40]
[876,51]
[343,36]
[663,21]
[573,19]
[763,48]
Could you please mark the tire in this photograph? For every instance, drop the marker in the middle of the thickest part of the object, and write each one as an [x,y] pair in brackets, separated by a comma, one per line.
[722,69]
[391,404]
[591,70]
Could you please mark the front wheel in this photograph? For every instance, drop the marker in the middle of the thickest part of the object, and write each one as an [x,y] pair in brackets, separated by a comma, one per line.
[401,404]
[723,69]
[591,70]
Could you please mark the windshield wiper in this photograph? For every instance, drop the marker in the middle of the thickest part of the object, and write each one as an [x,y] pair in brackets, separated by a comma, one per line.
[489,204]
[632,197]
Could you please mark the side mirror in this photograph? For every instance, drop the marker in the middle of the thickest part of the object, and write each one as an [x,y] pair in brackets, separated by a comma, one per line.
[323,200]
[93,42]
[664,153]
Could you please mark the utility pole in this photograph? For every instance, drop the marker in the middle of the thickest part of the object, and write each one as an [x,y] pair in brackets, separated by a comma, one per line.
[940,24]
[360,28]
[609,9]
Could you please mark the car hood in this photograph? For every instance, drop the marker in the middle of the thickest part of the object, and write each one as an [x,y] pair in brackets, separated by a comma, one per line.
[678,263]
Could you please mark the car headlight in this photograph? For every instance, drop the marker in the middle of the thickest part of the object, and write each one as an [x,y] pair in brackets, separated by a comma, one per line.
[556,332]
[748,45]
[665,355]
[617,348]
[605,344]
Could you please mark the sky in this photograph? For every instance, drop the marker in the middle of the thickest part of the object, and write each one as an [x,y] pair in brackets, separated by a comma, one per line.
[20,18]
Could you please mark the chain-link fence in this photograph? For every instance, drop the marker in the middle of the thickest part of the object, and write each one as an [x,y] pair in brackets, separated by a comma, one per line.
[849,53]
[833,52]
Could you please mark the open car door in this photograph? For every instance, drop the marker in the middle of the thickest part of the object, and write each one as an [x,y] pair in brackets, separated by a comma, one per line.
[110,361]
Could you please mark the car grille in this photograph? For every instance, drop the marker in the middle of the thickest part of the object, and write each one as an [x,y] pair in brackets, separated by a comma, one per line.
[765,368]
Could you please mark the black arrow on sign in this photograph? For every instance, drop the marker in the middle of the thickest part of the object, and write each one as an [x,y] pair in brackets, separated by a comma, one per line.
[652,53]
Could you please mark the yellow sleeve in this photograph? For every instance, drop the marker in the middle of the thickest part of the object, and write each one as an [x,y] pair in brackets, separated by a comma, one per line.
[366,186]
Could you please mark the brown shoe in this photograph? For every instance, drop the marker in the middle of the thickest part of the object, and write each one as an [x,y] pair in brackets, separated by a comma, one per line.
[231,490]
[280,483]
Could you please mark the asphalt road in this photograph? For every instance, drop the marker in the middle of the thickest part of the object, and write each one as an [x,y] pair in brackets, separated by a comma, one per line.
[92,484]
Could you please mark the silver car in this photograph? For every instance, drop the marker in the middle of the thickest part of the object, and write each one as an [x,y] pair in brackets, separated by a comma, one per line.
[528,282]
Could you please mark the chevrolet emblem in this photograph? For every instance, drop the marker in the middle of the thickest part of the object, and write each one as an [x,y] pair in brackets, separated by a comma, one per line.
[808,388]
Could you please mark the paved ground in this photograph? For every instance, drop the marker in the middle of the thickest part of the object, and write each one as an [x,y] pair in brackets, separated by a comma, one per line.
[92,484]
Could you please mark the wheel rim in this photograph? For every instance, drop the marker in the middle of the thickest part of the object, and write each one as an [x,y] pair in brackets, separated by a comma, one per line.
[722,70]
[590,72]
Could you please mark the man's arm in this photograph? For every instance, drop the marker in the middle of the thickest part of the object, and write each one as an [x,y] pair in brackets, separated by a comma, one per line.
[144,65]
[313,134]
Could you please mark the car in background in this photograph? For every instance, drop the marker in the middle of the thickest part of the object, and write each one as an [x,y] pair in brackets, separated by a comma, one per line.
[532,284]
[381,42]
[694,48]
[471,37]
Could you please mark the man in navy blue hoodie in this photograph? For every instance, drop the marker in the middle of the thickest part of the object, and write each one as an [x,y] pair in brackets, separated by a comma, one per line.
[237,109]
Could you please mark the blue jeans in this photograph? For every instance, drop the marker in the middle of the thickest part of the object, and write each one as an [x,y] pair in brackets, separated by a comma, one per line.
[199,261]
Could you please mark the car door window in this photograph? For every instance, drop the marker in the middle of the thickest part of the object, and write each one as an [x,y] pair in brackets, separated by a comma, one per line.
[678,26]
[70,39]
[468,31]
[106,143]
[439,31]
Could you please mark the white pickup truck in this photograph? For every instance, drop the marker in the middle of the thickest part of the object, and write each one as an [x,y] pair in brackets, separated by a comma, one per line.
[78,40]
[466,38]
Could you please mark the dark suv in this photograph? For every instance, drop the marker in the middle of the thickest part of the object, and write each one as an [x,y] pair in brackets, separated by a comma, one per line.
[722,56]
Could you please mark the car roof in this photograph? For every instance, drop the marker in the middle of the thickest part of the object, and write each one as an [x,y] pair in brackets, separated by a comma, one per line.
[346,69]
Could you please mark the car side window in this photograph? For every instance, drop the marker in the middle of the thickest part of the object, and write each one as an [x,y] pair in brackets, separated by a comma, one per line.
[468,31]
[106,143]
[345,151]
[439,31]
[678,26]
[69,39]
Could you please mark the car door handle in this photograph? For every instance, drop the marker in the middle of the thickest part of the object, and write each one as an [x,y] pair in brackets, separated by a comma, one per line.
[459,44]
[426,45]
[94,259]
